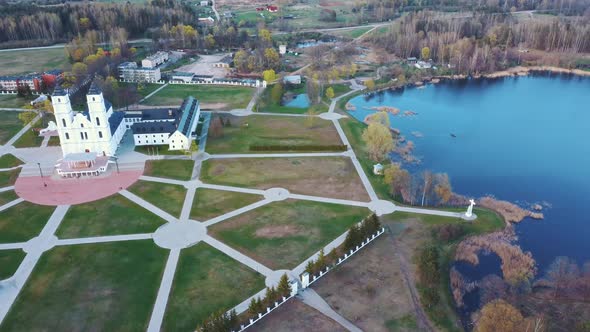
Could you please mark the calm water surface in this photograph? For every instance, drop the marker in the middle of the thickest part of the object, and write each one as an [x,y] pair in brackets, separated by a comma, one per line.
[525,140]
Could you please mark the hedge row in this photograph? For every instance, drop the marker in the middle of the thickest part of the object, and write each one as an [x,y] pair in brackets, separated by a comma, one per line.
[339,147]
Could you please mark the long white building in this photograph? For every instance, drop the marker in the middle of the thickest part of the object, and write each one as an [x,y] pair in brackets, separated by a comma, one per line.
[173,127]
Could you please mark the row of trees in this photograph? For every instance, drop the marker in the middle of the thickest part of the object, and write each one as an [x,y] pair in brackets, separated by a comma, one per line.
[355,236]
[258,305]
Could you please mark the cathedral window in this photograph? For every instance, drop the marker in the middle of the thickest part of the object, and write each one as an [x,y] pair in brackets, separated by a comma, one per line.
[81,135]
[67,136]
[97,121]
[63,121]
[85,135]
[82,125]
[100,134]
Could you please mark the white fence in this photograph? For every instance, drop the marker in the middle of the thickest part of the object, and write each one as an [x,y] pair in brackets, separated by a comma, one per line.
[252,321]
[253,84]
[306,282]
[142,81]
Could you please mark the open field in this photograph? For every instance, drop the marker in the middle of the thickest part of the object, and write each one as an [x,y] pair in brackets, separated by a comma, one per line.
[30,139]
[8,178]
[7,196]
[369,290]
[270,130]
[9,161]
[206,282]
[351,33]
[9,125]
[93,287]
[281,235]
[171,169]
[329,176]
[23,222]
[9,262]
[26,61]
[168,197]
[295,316]
[210,203]
[143,89]
[210,96]
[14,101]
[114,215]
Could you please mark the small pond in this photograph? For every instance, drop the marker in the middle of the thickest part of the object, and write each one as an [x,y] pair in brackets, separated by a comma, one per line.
[298,101]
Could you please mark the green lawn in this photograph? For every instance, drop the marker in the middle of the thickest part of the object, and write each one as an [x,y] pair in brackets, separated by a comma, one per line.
[230,96]
[319,176]
[30,138]
[353,129]
[143,89]
[53,141]
[14,101]
[9,262]
[352,33]
[207,281]
[9,161]
[210,203]
[26,61]
[9,125]
[8,178]
[168,197]
[7,196]
[113,215]
[172,169]
[23,222]
[270,130]
[283,234]
[92,287]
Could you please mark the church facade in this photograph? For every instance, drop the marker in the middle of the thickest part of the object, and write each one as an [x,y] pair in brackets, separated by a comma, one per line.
[97,131]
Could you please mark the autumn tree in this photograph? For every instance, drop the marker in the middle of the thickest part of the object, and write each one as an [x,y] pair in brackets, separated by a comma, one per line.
[425,53]
[276,94]
[443,187]
[500,315]
[370,84]
[27,117]
[330,92]
[379,141]
[269,75]
[216,127]
[398,180]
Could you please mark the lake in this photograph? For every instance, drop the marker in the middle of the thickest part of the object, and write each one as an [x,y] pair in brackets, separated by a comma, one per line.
[520,139]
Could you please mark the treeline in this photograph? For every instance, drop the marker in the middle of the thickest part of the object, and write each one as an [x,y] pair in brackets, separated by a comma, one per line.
[63,22]
[483,43]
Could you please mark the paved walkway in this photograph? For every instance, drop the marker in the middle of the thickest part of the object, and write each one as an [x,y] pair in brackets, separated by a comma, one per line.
[314,300]
[177,233]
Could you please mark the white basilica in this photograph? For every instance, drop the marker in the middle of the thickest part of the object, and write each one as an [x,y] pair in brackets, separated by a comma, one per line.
[88,139]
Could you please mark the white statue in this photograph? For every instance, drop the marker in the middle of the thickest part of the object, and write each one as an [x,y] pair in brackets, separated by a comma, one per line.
[469,212]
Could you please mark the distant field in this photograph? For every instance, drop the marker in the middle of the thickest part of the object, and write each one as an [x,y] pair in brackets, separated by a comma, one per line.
[16,62]
[13,101]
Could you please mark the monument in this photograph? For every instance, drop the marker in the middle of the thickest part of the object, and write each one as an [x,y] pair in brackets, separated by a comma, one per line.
[469,212]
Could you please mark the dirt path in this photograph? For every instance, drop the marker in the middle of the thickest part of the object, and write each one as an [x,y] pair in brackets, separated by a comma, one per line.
[423,321]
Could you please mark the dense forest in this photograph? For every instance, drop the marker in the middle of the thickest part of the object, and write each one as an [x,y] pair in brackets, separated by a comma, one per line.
[486,42]
[49,24]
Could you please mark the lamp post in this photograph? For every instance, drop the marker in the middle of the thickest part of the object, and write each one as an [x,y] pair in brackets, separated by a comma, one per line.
[116,163]
[41,172]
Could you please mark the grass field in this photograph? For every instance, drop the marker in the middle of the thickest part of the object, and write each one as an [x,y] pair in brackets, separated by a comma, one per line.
[9,125]
[92,287]
[143,89]
[351,33]
[13,101]
[171,169]
[9,262]
[281,235]
[353,130]
[7,196]
[226,97]
[23,222]
[319,176]
[113,215]
[211,203]
[26,61]
[8,178]
[168,197]
[30,139]
[270,130]
[207,281]
[9,161]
